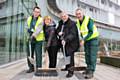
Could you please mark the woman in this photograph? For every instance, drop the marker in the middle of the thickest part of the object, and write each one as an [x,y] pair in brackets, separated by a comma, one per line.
[51,40]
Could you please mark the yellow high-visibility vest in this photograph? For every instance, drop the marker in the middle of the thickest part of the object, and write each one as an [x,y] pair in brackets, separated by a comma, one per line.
[40,36]
[84,28]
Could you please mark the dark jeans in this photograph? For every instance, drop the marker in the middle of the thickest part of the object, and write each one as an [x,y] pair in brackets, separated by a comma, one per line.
[91,49]
[52,53]
[36,46]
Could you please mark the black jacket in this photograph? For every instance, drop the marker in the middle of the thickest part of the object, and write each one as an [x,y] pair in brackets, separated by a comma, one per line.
[50,35]
[70,35]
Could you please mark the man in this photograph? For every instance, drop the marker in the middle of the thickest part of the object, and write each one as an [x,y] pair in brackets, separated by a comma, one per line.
[35,32]
[67,31]
[89,35]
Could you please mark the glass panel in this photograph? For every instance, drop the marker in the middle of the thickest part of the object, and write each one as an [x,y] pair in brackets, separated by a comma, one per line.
[13,15]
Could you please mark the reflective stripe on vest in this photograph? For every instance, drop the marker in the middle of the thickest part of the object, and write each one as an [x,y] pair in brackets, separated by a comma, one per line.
[84,28]
[40,36]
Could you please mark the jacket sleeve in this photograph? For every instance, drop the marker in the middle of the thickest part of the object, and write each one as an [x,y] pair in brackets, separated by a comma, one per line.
[38,29]
[59,27]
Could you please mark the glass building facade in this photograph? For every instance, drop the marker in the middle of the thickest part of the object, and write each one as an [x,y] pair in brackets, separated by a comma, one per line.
[13,15]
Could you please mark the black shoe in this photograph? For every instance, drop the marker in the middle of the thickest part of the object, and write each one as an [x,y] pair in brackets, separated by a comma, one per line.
[30,71]
[66,68]
[89,75]
[70,74]
[37,72]
[85,72]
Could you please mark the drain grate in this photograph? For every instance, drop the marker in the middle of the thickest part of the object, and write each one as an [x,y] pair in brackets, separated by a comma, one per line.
[46,72]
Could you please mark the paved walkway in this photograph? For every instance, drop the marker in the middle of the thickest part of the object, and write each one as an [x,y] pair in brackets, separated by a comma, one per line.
[17,71]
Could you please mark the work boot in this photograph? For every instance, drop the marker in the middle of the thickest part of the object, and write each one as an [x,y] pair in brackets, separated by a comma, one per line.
[89,75]
[37,72]
[70,74]
[30,71]
[85,72]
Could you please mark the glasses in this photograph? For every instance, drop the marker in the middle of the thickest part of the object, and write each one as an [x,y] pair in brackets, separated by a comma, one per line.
[36,11]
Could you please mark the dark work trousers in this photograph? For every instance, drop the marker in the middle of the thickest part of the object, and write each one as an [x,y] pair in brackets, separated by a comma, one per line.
[36,48]
[52,53]
[91,49]
[71,54]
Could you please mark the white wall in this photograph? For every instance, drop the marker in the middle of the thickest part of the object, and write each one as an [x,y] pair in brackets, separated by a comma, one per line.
[67,5]
[111,18]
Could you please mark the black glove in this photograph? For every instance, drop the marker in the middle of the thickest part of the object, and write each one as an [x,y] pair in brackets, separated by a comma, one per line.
[30,32]
[33,38]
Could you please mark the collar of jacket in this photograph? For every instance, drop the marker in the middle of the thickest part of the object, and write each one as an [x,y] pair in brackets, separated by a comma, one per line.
[66,21]
[36,18]
[51,24]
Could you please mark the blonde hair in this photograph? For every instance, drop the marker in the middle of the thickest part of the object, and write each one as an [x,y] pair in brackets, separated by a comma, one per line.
[47,17]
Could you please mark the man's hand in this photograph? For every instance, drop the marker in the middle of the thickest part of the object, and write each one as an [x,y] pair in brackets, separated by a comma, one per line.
[60,33]
[63,42]
[81,42]
[30,30]
[32,37]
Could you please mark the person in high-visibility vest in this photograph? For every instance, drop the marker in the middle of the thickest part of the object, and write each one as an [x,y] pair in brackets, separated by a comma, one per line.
[89,35]
[36,37]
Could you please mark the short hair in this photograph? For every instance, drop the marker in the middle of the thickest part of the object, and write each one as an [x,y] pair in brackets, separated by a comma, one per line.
[79,9]
[63,12]
[47,17]
[36,7]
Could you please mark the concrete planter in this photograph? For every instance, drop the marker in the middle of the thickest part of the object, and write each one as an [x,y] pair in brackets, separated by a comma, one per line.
[113,61]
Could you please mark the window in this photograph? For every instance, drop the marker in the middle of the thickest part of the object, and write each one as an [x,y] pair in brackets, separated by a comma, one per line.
[97,0]
[116,7]
[91,9]
[83,6]
[103,2]
[110,4]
